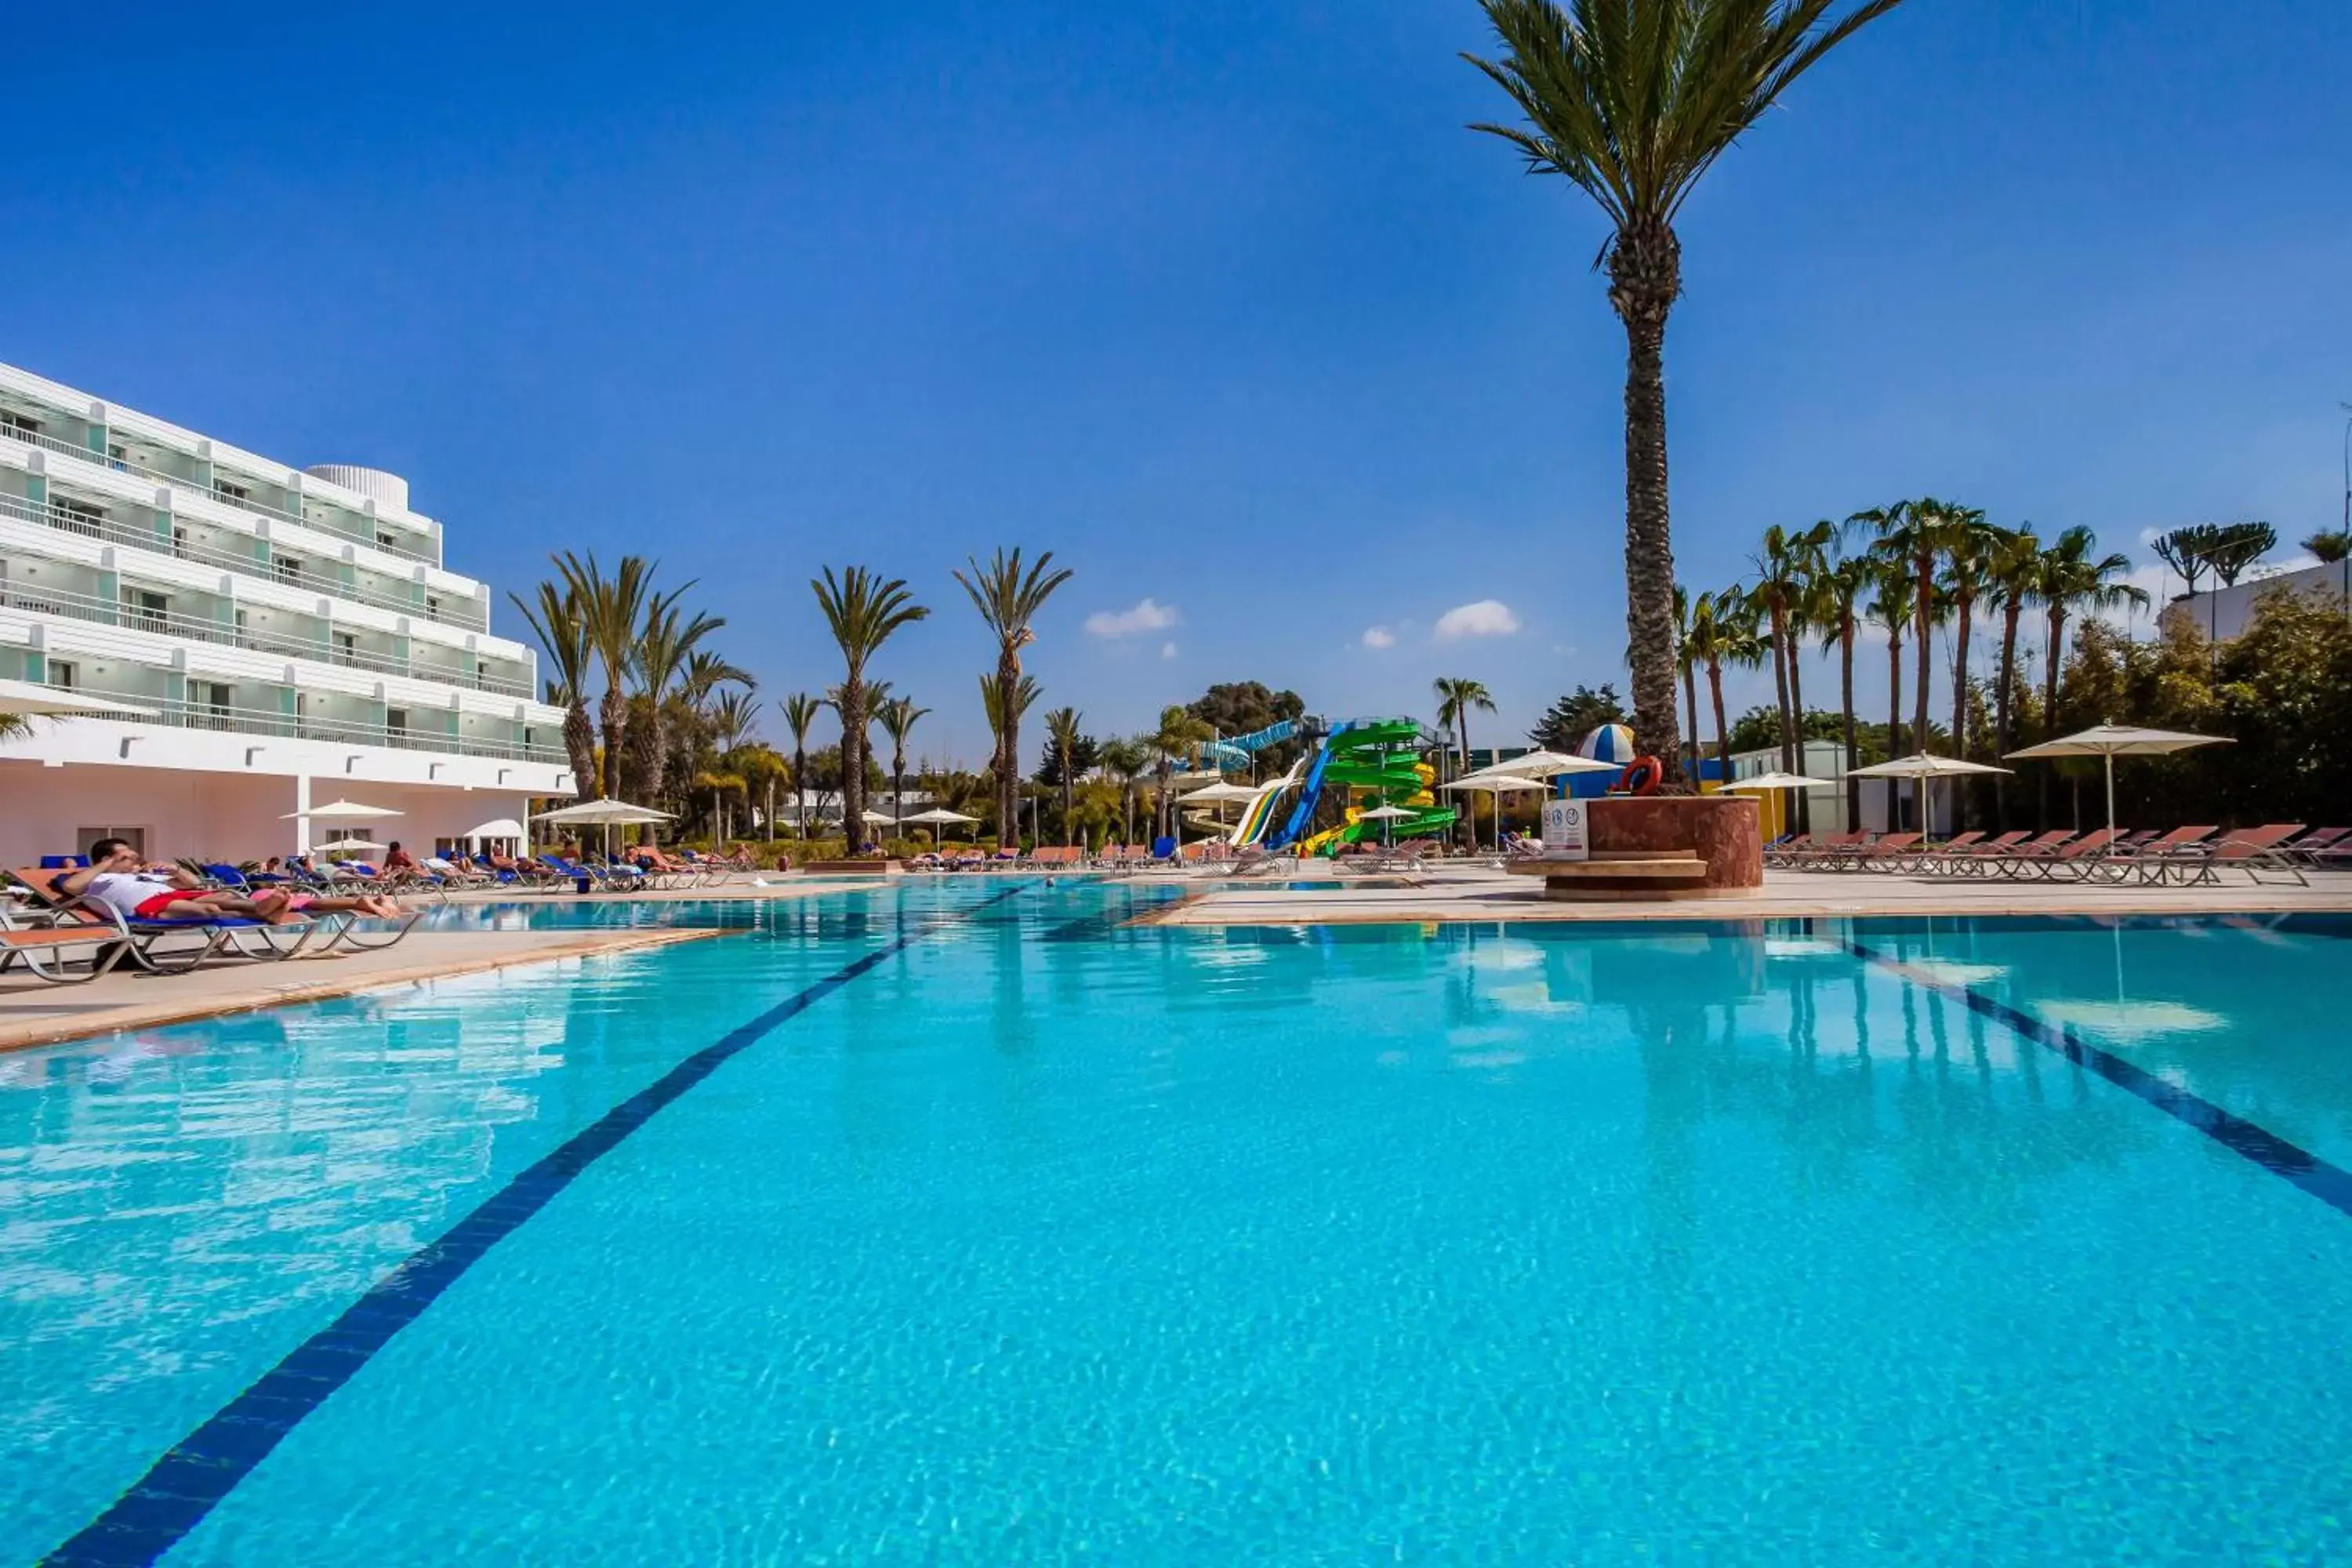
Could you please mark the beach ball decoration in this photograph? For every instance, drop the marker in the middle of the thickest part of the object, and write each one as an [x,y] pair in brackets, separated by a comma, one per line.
[1609,743]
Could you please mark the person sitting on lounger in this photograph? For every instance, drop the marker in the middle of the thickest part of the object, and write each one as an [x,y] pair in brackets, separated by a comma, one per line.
[116,878]
[397,860]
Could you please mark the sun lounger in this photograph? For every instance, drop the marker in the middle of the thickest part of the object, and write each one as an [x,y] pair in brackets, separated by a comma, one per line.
[2075,856]
[176,946]
[2253,851]
[50,952]
[1987,859]
[2307,850]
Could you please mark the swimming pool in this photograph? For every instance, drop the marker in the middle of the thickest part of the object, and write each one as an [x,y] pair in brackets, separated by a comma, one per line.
[968,1223]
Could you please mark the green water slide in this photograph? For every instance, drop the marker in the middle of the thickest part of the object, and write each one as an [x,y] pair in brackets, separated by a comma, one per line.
[1380,758]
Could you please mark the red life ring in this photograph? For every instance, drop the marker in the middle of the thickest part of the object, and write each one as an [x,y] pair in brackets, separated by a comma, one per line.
[1643,777]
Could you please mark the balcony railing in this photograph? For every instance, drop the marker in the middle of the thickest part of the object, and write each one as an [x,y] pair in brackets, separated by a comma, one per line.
[286,569]
[51,443]
[199,715]
[170,622]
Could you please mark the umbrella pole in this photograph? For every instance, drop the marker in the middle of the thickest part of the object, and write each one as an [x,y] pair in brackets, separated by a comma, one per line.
[2110,759]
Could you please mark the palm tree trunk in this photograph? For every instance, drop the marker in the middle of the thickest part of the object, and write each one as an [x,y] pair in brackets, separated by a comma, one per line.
[1722,730]
[1894,727]
[2010,613]
[1644,276]
[579,745]
[772,807]
[853,761]
[2049,713]
[1690,704]
[1846,695]
[616,724]
[1926,562]
[1797,757]
[1066,839]
[1964,609]
[1469,804]
[1008,746]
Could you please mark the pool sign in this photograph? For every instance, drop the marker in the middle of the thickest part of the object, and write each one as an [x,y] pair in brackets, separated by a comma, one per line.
[1563,830]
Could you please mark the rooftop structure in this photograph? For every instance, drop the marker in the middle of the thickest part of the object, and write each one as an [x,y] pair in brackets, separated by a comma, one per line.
[293,632]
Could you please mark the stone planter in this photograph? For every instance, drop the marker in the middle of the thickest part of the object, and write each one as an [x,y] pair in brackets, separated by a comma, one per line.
[1661,846]
[861,867]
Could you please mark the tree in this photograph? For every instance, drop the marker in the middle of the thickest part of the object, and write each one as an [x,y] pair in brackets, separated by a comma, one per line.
[1840,585]
[1759,729]
[1687,667]
[1245,707]
[1632,104]
[1785,569]
[2329,545]
[609,608]
[1723,631]
[556,621]
[1969,543]
[863,612]
[1566,722]
[1063,741]
[2014,576]
[1004,718]
[1008,598]
[800,710]
[2183,549]
[1894,609]
[2236,546]
[1124,761]
[898,715]
[1176,737]
[664,645]
[1457,695]
[761,769]
[2072,580]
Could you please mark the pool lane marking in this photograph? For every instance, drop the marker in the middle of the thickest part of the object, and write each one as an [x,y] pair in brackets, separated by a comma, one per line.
[2297,1166]
[194,1474]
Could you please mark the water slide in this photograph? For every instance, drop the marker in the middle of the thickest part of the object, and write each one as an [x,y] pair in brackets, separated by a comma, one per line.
[1380,758]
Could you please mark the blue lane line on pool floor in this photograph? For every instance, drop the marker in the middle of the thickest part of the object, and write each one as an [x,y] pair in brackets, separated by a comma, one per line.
[193,1477]
[2299,1167]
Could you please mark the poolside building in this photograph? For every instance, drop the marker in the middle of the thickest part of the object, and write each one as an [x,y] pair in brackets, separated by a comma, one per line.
[291,636]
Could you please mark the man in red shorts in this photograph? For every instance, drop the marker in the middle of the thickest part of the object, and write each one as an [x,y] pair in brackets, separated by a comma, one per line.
[116,878]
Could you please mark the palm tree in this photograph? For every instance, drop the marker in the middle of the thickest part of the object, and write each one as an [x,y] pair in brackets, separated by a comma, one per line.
[609,610]
[800,710]
[730,720]
[1632,104]
[1722,632]
[704,673]
[1894,608]
[557,623]
[1915,533]
[1124,761]
[1062,730]
[1970,544]
[2014,578]
[663,648]
[2072,580]
[1784,573]
[1180,733]
[1005,718]
[898,715]
[1456,696]
[761,769]
[1008,599]
[863,612]
[1687,667]
[1839,584]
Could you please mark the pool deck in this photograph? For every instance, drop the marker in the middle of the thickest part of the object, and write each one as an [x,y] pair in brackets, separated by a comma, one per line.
[1485,895]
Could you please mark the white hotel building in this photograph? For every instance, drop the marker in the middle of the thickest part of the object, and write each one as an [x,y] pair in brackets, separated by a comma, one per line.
[293,631]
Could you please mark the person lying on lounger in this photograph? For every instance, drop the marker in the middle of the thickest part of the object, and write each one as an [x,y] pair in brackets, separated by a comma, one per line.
[116,878]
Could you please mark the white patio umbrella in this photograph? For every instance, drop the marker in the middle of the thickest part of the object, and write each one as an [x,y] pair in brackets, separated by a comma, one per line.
[1498,785]
[1545,765]
[1774,781]
[606,813]
[497,828]
[31,700]
[1384,814]
[1923,766]
[342,811]
[2108,741]
[349,847]
[940,817]
[1220,791]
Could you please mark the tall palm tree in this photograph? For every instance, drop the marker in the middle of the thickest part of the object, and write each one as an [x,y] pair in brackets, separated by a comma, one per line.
[1894,609]
[2074,580]
[1687,667]
[1840,585]
[1179,736]
[762,769]
[898,715]
[610,608]
[1970,544]
[1062,730]
[799,712]
[1004,718]
[1785,568]
[1456,696]
[704,673]
[1124,761]
[1632,104]
[1913,533]
[1008,598]
[1722,632]
[556,621]
[862,611]
[730,720]
[2013,580]
[663,648]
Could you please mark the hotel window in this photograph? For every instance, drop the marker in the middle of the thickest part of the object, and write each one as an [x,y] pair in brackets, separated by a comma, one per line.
[64,675]
[288,568]
[229,492]
[22,426]
[213,695]
[395,723]
[347,648]
[149,612]
[80,517]
[179,541]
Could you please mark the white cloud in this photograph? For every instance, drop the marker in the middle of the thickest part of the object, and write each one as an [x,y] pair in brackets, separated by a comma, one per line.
[1485,619]
[1379,636]
[1168,651]
[1147,617]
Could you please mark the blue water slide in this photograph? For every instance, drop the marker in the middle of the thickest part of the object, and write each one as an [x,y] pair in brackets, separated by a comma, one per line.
[1302,813]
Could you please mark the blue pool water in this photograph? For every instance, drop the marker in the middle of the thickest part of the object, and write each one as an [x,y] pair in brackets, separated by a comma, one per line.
[969,1224]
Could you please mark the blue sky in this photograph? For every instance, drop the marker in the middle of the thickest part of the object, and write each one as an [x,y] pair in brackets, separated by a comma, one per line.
[1218,300]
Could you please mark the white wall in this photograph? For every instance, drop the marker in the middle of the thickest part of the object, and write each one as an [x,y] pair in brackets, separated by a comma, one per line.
[2225,613]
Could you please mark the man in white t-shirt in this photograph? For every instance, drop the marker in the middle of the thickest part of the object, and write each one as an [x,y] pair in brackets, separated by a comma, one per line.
[116,878]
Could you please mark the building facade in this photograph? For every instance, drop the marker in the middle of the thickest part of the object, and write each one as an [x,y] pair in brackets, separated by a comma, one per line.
[2223,614]
[291,636]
